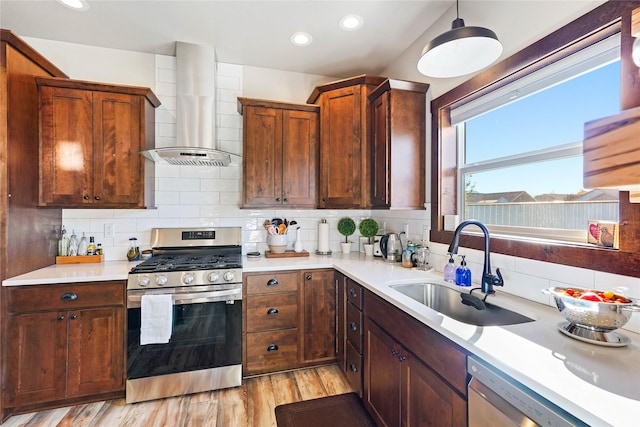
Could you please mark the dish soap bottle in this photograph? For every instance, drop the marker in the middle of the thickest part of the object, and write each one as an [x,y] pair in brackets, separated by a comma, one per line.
[73,244]
[463,274]
[450,270]
[82,246]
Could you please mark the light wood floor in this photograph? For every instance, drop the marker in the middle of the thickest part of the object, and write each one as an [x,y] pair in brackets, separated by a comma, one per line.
[251,405]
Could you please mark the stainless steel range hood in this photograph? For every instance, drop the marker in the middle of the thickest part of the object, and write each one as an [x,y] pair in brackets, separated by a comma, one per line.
[195,111]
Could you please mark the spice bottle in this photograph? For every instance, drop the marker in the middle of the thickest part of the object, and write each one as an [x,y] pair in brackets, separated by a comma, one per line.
[91,249]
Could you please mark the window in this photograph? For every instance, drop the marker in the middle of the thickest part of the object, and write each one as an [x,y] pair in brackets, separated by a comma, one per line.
[521,148]
[448,185]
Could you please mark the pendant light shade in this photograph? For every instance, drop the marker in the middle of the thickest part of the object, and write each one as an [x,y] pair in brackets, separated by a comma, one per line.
[460,51]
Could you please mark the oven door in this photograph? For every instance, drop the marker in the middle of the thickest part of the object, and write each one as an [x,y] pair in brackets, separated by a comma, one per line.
[207,333]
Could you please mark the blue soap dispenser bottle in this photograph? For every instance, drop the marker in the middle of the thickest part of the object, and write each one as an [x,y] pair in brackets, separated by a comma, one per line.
[463,274]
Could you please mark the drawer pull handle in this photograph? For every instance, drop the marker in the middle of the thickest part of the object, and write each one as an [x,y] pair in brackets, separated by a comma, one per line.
[353,292]
[96,197]
[352,368]
[353,326]
[278,199]
[394,352]
[273,282]
[272,347]
[272,311]
[309,277]
[60,318]
[286,199]
[73,316]
[69,296]
[86,197]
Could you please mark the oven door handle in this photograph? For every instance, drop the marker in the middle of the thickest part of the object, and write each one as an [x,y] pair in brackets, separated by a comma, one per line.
[134,298]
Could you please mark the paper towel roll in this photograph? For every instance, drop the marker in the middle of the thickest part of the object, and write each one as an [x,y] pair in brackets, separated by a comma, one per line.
[323,236]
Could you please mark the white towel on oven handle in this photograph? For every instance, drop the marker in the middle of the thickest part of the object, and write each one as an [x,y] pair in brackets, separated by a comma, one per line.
[156,319]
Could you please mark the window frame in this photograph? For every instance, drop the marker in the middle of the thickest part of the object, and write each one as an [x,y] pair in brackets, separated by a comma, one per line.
[603,21]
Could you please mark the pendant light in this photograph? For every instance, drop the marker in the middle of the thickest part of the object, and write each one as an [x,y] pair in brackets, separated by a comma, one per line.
[460,51]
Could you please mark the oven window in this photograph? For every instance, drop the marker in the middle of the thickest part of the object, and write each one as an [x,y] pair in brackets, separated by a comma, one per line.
[205,335]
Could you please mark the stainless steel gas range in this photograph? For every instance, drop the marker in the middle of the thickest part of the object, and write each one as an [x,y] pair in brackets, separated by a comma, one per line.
[184,308]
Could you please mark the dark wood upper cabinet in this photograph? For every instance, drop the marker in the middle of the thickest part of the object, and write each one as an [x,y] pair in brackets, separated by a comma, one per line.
[345,141]
[91,135]
[398,151]
[280,150]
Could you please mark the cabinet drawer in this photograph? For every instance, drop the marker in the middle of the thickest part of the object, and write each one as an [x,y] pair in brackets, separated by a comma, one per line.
[65,296]
[272,351]
[277,311]
[354,294]
[273,282]
[354,327]
[354,368]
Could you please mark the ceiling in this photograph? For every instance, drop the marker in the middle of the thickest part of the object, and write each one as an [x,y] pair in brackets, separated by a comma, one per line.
[243,32]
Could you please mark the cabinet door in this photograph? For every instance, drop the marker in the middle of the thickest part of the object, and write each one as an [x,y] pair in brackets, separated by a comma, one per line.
[380,182]
[382,378]
[299,158]
[66,146]
[341,149]
[341,320]
[428,400]
[262,154]
[96,349]
[117,163]
[36,358]
[318,299]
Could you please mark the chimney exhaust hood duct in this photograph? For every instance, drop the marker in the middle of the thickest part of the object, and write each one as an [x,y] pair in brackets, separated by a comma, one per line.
[195,111]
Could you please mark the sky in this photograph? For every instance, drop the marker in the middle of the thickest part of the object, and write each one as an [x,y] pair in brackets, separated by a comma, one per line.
[553,117]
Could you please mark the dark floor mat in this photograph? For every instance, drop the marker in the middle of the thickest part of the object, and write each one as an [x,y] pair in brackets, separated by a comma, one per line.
[343,410]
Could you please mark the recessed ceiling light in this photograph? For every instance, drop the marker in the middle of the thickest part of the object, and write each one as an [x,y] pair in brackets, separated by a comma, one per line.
[301,39]
[75,4]
[351,22]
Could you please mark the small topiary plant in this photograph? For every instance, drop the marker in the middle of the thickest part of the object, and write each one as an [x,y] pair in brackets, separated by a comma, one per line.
[346,227]
[368,228]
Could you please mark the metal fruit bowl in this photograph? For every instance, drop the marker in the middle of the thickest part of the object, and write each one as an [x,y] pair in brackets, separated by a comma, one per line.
[597,316]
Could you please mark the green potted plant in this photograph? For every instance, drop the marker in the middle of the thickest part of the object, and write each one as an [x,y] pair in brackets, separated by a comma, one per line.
[346,227]
[368,228]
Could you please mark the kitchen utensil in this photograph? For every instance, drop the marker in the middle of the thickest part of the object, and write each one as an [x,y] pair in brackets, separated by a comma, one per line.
[391,247]
[272,230]
[599,316]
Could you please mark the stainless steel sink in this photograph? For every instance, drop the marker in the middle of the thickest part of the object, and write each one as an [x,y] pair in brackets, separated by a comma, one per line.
[448,302]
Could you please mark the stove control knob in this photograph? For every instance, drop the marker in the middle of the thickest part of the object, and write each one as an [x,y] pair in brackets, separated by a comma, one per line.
[214,277]
[228,276]
[144,281]
[187,278]
[161,280]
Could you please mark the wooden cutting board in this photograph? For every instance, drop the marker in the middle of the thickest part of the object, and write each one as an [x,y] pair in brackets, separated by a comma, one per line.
[286,254]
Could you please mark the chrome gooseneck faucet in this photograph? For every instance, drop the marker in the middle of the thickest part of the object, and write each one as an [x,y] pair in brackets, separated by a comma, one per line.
[489,280]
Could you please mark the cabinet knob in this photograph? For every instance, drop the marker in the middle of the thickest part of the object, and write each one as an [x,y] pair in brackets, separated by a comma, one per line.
[272,347]
[278,199]
[353,292]
[73,316]
[86,197]
[272,311]
[394,352]
[60,317]
[353,326]
[69,296]
[309,277]
[352,368]
[286,199]
[96,197]
[402,358]
[273,282]
[324,199]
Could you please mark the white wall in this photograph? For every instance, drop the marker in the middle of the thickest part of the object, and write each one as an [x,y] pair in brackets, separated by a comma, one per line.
[200,196]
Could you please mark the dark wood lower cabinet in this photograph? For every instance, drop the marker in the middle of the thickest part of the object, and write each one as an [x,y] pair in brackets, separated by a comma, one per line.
[400,387]
[63,346]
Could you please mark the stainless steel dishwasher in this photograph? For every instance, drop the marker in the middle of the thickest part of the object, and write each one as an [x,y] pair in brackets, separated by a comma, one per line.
[496,400]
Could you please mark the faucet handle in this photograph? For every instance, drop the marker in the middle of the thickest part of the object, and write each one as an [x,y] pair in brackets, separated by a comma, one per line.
[498,281]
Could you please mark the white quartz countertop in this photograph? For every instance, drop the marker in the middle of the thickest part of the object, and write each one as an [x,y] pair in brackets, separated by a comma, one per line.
[599,385]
